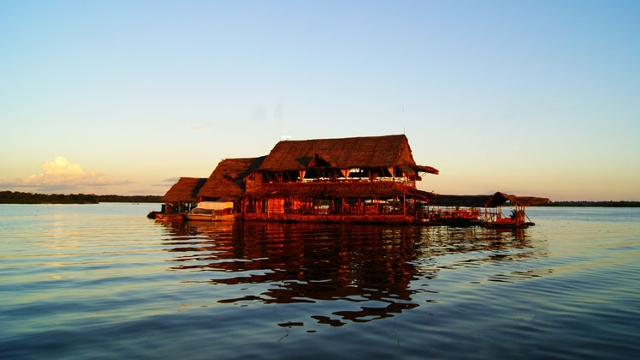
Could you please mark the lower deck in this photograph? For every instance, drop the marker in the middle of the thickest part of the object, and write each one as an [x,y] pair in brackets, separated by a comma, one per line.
[328,218]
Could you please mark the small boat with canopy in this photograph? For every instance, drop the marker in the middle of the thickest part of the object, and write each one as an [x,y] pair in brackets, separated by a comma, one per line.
[212,211]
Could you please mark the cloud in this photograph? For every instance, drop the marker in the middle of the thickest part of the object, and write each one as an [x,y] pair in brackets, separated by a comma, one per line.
[167,182]
[171,180]
[62,174]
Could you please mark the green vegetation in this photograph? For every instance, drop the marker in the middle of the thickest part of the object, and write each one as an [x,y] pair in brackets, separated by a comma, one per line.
[10,197]
[130,198]
[595,203]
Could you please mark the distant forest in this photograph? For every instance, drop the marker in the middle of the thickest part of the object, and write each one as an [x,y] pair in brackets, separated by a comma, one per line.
[594,203]
[10,197]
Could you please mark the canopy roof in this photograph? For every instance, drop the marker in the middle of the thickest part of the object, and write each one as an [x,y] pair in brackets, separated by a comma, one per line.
[499,198]
[344,153]
[215,205]
[226,182]
[185,190]
[460,200]
[494,200]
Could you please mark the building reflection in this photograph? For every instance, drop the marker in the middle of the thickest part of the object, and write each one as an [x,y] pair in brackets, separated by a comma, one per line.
[370,266]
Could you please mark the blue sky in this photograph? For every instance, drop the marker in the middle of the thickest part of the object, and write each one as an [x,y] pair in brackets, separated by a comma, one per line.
[528,97]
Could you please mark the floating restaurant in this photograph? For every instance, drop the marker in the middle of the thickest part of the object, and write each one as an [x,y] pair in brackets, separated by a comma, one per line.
[359,179]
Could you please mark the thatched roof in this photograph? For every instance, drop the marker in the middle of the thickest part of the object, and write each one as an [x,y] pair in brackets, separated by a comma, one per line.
[460,200]
[366,190]
[226,182]
[185,190]
[345,153]
[497,199]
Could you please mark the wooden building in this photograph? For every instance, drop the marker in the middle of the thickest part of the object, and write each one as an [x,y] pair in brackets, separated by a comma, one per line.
[183,195]
[227,181]
[359,179]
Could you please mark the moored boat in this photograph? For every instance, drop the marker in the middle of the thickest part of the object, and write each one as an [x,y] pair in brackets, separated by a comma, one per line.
[507,223]
[161,216]
[212,211]
[518,219]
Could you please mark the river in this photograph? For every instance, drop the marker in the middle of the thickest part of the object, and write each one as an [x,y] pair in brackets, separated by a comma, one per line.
[103,281]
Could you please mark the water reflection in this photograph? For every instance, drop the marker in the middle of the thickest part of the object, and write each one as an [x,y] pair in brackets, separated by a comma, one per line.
[371,266]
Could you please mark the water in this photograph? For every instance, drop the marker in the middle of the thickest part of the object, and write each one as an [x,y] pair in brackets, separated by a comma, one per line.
[102,281]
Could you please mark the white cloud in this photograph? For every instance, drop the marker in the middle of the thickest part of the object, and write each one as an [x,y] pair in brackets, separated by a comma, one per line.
[62,174]
[170,181]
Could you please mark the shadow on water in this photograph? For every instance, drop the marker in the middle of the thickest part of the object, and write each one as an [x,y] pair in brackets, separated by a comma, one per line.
[370,266]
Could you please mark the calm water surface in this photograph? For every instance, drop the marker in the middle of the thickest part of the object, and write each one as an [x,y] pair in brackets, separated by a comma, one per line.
[103,281]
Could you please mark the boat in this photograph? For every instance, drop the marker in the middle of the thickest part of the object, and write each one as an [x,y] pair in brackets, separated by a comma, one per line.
[466,210]
[515,221]
[212,211]
[160,216]
[518,219]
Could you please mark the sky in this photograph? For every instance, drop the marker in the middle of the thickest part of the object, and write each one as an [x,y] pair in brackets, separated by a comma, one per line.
[538,98]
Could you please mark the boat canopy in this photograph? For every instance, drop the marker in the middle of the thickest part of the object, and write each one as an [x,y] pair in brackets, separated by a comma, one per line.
[215,205]
[499,198]
[492,201]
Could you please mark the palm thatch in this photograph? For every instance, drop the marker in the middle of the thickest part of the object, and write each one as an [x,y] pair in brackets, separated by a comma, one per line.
[226,182]
[495,200]
[184,191]
[460,200]
[499,198]
[345,153]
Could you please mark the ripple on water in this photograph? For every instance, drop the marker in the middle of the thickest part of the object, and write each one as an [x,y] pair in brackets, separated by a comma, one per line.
[110,283]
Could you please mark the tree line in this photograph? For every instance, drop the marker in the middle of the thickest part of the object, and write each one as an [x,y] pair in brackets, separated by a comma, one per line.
[11,197]
[621,203]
